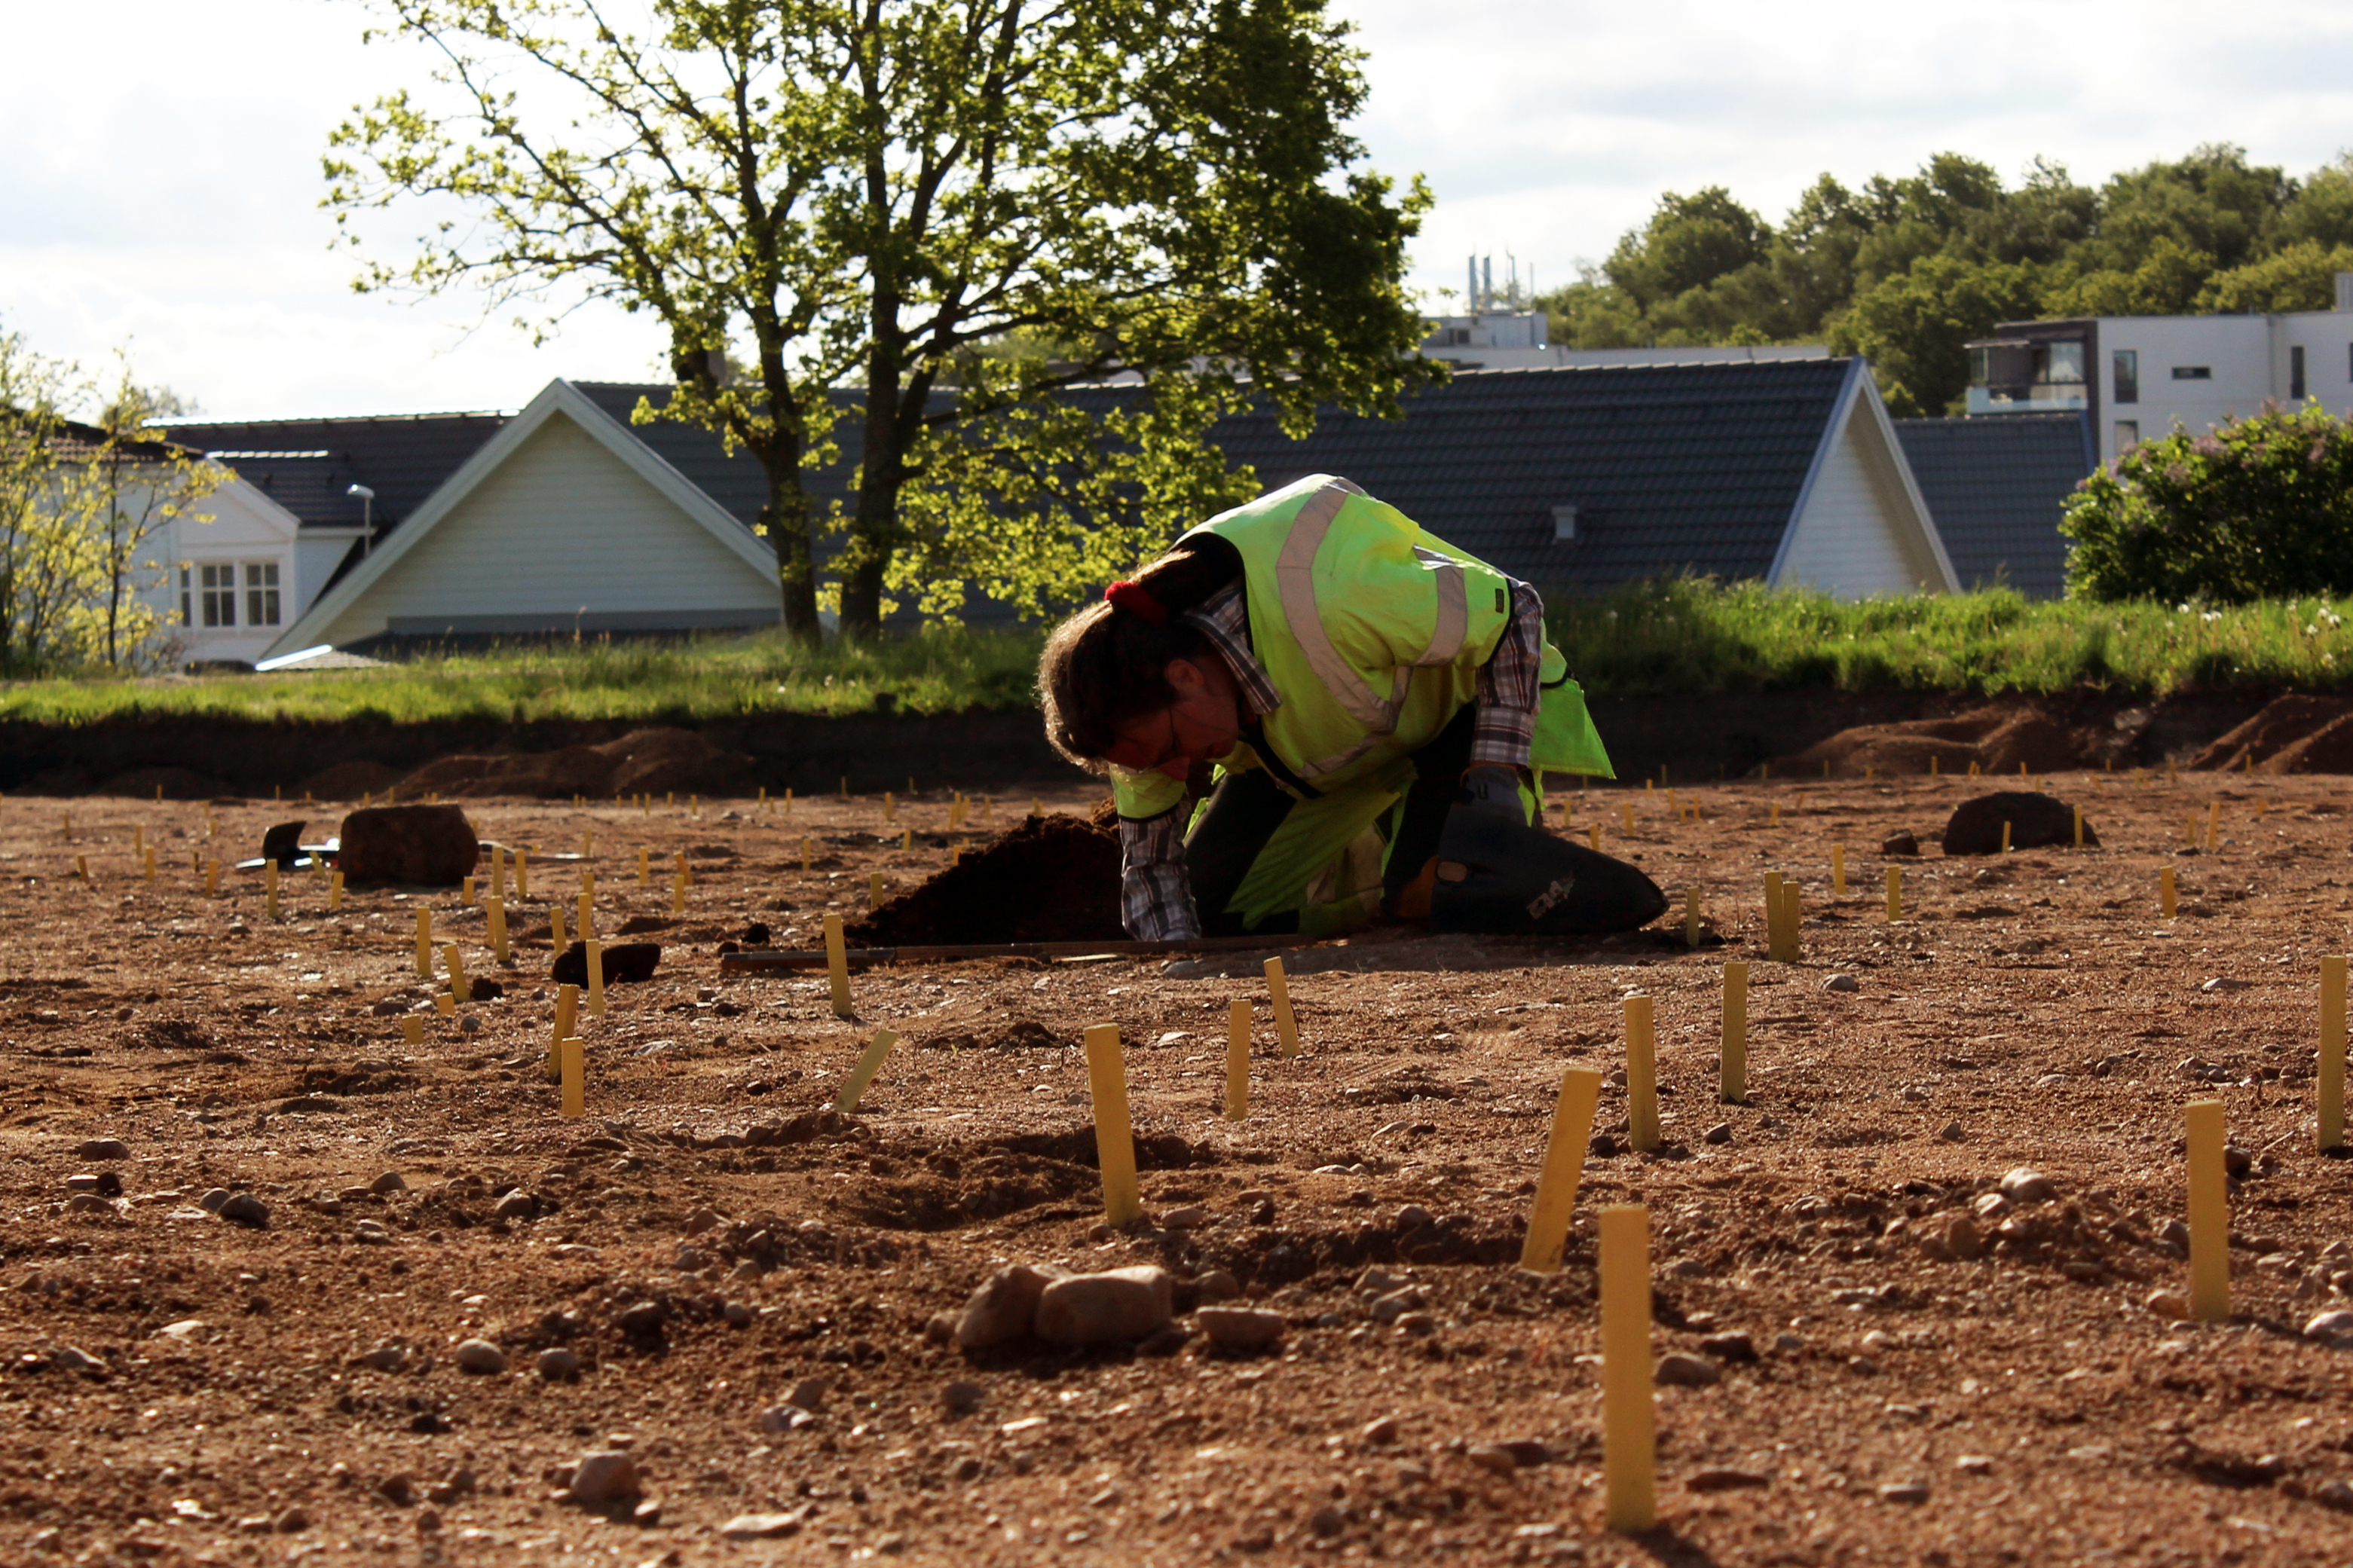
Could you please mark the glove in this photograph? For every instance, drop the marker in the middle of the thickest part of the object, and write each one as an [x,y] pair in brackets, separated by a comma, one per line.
[1493,788]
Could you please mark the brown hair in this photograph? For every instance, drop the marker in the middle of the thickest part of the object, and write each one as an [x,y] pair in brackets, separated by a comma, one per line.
[1102,666]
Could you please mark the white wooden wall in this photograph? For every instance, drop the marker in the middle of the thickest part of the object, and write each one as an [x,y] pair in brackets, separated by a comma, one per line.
[1845,542]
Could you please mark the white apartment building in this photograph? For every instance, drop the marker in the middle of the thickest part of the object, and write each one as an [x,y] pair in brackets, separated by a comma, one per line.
[1515,340]
[2136,377]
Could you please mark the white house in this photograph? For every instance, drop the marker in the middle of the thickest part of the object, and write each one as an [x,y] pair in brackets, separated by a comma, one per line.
[2135,378]
[232,577]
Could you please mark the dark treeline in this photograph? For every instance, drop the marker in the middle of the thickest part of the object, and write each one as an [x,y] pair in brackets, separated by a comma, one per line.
[1905,270]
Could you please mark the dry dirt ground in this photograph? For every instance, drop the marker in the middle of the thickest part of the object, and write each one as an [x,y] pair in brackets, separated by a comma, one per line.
[181,1388]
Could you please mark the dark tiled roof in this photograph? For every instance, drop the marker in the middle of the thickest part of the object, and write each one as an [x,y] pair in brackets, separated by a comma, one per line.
[1997,486]
[1672,468]
[402,459]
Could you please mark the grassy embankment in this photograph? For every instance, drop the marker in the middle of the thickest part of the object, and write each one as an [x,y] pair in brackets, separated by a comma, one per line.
[1661,638]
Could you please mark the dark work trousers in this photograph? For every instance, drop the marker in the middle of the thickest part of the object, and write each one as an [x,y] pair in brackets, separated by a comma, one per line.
[1245,808]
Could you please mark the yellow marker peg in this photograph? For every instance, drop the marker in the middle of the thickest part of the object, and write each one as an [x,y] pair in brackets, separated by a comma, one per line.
[2190,832]
[873,889]
[335,893]
[522,873]
[159,792]
[2213,826]
[572,1066]
[805,854]
[1628,1421]
[2079,828]
[1114,1142]
[907,839]
[497,911]
[1627,813]
[1894,893]
[1641,1076]
[556,936]
[424,942]
[2005,837]
[2210,1213]
[2022,770]
[466,891]
[212,878]
[1763,770]
[81,870]
[1973,770]
[1732,1061]
[412,1029]
[151,865]
[1691,917]
[2166,900]
[587,917]
[645,867]
[1792,922]
[685,871]
[460,987]
[567,1013]
[1238,1042]
[1826,767]
[1773,939]
[1564,1163]
[678,892]
[268,886]
[1278,992]
[595,956]
[208,822]
[2332,1051]
[1932,764]
[139,838]
[837,964]
[1593,836]
[1774,820]
[694,806]
[587,842]
[788,803]
[870,1062]
[670,798]
[1035,809]
[890,806]
[1838,870]
[65,819]
[445,1005]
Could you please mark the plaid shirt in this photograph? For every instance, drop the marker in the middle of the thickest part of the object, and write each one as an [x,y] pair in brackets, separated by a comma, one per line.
[1157,901]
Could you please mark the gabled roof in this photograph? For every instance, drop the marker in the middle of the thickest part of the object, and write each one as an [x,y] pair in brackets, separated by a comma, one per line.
[1998,487]
[307,465]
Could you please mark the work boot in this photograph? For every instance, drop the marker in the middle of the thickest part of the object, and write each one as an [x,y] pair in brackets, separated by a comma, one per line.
[1502,878]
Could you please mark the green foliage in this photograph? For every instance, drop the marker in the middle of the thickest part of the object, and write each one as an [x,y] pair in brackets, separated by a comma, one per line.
[2263,508]
[1908,269]
[881,197]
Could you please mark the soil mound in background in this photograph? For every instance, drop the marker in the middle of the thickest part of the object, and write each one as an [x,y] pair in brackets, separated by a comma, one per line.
[177,783]
[1051,879]
[349,781]
[2293,735]
[654,761]
[1997,736]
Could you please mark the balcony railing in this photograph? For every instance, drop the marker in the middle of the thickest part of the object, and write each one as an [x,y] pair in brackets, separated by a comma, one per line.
[2041,397]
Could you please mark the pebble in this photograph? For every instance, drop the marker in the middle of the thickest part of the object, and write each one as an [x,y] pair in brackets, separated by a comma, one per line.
[244,1208]
[555,1365]
[1975,1464]
[1493,1457]
[962,1398]
[516,1204]
[642,1318]
[88,1203]
[1100,1308]
[1719,1133]
[601,1477]
[183,1330]
[1729,1347]
[1381,1432]
[2328,1325]
[1905,1491]
[73,1358]
[1900,844]
[212,1199]
[1412,1218]
[760,1527]
[385,1358]
[1725,1479]
[1961,1238]
[2027,1185]
[2335,1494]
[389,1182]
[1389,1309]
[1240,1327]
[1841,983]
[1418,1324]
[1003,1309]
[809,1394]
[1217,1284]
[2171,1305]
[1681,1371]
[780,1418]
[1952,1132]
[481,1356]
[1788,1344]
[1185,1218]
[103,1149]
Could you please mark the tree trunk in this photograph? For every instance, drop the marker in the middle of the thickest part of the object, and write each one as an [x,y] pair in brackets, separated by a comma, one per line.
[786,518]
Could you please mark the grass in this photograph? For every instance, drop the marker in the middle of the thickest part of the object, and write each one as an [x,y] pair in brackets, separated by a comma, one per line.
[1683,636]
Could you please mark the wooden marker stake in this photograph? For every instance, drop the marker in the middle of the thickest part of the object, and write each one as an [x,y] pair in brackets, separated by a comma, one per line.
[596,974]
[335,893]
[139,838]
[572,1067]
[1627,813]
[645,867]
[873,889]
[1115,1142]
[2005,837]
[1792,922]
[466,891]
[212,878]
[1773,941]
[65,821]
[2213,826]
[1932,764]
[1732,1060]
[870,1062]
[1593,836]
[1838,870]
[2166,900]
[1641,1076]
[151,865]
[567,1013]
[805,855]
[1278,991]
[2210,1213]
[1629,1431]
[498,870]
[1238,1042]
[522,873]
[1564,1163]
[890,806]
[1035,809]
[678,892]
[557,938]
[839,966]
[588,915]
[269,885]
[906,838]
[1691,917]
[1774,820]
[81,870]
[2079,828]
[461,988]
[445,1005]
[425,943]
[497,911]
[1895,892]
[411,1030]
[2332,1051]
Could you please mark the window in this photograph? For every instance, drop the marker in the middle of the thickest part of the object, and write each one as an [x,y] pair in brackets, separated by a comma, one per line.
[2062,362]
[2194,372]
[217,593]
[1564,523]
[2127,375]
[2296,373]
[2128,436]
[261,593]
[188,615]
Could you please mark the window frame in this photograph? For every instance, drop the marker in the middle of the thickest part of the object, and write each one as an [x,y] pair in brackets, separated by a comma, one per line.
[261,601]
[216,594]
[2124,372]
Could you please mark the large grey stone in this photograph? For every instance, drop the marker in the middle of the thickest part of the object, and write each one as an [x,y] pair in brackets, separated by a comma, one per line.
[1003,1309]
[601,1477]
[1103,1309]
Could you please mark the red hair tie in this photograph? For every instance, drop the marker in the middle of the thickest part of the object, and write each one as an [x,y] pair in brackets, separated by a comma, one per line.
[1136,600]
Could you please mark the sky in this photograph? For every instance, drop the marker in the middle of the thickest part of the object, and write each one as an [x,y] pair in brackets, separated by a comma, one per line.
[159,189]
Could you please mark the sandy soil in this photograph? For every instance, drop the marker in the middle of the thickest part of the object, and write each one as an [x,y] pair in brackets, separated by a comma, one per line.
[712,1237]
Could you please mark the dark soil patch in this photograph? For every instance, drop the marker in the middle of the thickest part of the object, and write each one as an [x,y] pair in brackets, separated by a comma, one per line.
[2294,734]
[1051,879]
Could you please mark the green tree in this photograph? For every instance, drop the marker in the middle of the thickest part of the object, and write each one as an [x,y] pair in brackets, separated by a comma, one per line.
[2299,276]
[852,200]
[1913,327]
[1689,243]
[2261,509]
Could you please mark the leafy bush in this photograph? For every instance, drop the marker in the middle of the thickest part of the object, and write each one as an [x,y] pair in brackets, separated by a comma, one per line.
[2262,508]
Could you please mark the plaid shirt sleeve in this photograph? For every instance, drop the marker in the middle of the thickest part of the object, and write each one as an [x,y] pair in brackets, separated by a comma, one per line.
[1155,899]
[1508,685]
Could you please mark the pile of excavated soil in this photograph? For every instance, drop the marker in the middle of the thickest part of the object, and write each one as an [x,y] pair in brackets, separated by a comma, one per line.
[176,784]
[1051,879]
[1997,736]
[653,761]
[350,781]
[2293,735]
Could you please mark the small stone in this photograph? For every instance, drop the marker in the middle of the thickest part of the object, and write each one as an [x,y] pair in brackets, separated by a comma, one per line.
[809,1394]
[1900,844]
[605,1477]
[389,1182]
[1185,1218]
[2236,1162]
[1602,1146]
[1905,1491]
[244,1208]
[1725,1479]
[1378,1433]
[2027,1185]
[1240,1327]
[88,1203]
[516,1204]
[292,1521]
[555,1365]
[1962,1240]
[103,1149]
[1952,1132]
[1729,1347]
[642,1320]
[1003,1309]
[1413,1217]
[1681,1371]
[481,1357]
[1389,1309]
[2326,1326]
[385,1358]
[398,1490]
[2337,1494]
[1493,1457]
[760,1527]
[1719,1133]
[703,1219]
[1217,1284]
[1786,1343]
[1841,983]
[73,1358]
[1418,1325]
[428,1520]
[962,1398]
[2170,1305]
[183,1330]
[1100,1308]
[781,1418]
[1974,1464]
